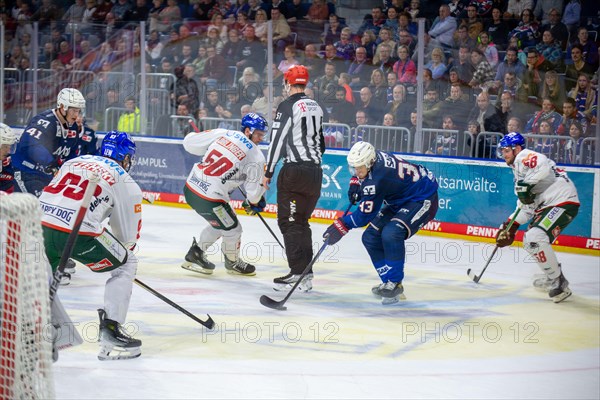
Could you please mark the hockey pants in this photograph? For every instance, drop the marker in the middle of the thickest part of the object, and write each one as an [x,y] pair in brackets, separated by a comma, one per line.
[384,237]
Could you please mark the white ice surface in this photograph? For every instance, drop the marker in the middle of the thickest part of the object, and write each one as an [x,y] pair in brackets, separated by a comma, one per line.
[451,338]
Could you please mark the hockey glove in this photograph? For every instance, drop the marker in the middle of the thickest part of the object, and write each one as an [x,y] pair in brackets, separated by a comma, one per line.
[253,209]
[524,192]
[52,168]
[335,232]
[354,191]
[506,238]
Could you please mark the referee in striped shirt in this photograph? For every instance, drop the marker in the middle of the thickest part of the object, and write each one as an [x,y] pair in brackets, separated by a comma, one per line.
[297,137]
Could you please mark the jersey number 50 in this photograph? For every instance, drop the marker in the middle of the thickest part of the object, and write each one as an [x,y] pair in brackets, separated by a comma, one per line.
[215,163]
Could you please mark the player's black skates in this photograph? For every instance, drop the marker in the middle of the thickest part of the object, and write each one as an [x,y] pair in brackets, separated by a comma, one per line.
[376,290]
[239,267]
[195,260]
[390,292]
[559,289]
[115,344]
[288,281]
[68,272]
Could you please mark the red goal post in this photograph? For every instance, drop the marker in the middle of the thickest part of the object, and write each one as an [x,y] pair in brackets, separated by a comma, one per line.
[25,330]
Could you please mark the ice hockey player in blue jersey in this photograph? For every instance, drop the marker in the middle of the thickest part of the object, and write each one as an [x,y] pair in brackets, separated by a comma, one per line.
[88,142]
[396,198]
[47,142]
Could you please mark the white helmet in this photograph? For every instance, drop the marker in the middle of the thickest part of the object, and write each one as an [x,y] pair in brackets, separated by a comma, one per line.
[6,135]
[69,97]
[362,154]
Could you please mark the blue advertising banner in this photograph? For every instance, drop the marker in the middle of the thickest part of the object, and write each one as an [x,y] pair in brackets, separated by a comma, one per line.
[471,192]
[161,165]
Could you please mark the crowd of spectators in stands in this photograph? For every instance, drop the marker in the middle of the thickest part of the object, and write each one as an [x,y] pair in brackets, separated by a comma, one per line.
[487,62]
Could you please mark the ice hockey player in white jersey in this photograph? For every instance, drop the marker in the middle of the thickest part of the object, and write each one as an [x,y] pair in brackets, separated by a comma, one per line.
[549,198]
[231,158]
[49,139]
[8,142]
[117,200]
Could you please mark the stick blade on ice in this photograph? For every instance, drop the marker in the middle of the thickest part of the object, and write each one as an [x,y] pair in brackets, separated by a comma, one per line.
[269,302]
[472,275]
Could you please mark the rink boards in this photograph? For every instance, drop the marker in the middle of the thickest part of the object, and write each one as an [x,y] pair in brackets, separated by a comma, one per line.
[475,196]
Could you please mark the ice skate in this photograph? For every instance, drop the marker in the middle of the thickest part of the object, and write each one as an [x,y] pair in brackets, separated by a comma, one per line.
[542,282]
[115,344]
[239,267]
[68,272]
[390,292]
[376,290]
[195,260]
[559,289]
[288,281]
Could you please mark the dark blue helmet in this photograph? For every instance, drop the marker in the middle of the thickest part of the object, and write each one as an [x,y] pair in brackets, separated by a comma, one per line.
[118,145]
[254,121]
[512,139]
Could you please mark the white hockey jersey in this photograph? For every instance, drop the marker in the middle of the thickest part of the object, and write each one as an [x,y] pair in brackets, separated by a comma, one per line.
[118,198]
[552,185]
[230,159]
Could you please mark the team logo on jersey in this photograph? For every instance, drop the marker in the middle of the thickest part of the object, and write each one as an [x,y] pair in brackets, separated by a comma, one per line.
[71,134]
[100,265]
[137,208]
[369,190]
[556,231]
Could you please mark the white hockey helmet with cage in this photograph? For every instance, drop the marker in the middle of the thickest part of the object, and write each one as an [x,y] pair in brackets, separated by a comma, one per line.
[69,97]
[362,154]
[6,135]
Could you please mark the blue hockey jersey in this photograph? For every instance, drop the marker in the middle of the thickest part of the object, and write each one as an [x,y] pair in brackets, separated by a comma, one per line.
[44,142]
[88,142]
[392,181]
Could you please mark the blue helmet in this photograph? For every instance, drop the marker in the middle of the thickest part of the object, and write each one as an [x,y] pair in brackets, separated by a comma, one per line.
[254,121]
[512,139]
[118,145]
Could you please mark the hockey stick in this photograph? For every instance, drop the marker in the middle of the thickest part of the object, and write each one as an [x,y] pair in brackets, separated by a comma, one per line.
[193,124]
[263,220]
[209,323]
[279,305]
[72,238]
[472,275]
[148,198]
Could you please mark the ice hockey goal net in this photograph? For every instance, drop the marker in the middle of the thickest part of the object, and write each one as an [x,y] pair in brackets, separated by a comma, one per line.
[25,330]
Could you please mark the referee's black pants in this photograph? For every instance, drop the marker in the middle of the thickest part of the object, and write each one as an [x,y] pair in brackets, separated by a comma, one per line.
[298,190]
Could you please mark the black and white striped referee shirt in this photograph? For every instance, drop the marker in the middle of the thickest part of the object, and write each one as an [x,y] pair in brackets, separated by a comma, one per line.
[297,133]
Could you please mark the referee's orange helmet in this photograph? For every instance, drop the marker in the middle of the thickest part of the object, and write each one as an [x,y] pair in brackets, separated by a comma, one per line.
[296,75]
